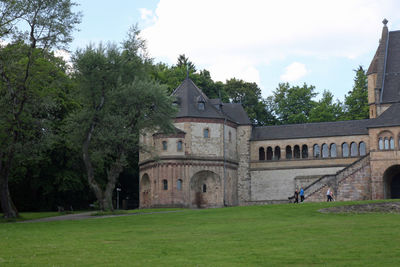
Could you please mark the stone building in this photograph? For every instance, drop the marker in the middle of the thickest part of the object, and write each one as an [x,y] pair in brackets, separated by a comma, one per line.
[217,158]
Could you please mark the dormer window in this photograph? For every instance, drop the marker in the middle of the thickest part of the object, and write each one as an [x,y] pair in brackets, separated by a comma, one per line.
[200,105]
[201,102]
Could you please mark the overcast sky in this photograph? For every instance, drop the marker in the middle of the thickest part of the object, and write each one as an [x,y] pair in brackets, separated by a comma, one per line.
[267,42]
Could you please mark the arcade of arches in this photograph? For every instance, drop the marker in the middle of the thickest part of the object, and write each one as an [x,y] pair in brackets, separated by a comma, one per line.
[324,151]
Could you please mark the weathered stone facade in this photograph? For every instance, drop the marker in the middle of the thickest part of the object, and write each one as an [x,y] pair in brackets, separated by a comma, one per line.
[217,158]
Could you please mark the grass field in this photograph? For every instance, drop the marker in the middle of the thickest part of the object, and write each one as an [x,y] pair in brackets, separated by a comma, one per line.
[273,235]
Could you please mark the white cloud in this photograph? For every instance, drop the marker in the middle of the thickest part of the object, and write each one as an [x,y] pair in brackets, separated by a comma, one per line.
[146,15]
[294,72]
[234,38]
[65,55]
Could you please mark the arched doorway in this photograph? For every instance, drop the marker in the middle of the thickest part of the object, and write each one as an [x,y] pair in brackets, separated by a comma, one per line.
[206,190]
[145,191]
[391,179]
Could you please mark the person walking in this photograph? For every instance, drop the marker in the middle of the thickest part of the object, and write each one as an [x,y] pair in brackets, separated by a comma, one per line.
[328,195]
[301,194]
[296,196]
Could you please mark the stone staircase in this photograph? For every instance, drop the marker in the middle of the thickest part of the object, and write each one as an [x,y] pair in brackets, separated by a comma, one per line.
[316,191]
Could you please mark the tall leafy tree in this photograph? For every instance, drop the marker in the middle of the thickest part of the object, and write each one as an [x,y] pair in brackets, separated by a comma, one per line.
[115,109]
[249,95]
[293,104]
[326,109]
[37,27]
[356,102]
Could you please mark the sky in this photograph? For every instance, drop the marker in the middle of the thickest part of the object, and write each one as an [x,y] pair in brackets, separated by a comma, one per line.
[317,42]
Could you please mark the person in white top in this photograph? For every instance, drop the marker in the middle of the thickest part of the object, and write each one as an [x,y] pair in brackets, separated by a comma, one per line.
[328,195]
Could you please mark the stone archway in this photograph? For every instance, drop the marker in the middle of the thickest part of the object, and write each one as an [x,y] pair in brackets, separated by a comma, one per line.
[145,191]
[391,180]
[206,190]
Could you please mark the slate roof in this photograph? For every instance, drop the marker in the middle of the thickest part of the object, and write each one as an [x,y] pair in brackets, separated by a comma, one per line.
[391,117]
[391,88]
[188,95]
[310,130]
[237,113]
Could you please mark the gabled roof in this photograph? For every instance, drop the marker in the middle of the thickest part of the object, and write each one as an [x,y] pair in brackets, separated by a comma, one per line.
[189,95]
[391,86]
[391,117]
[310,130]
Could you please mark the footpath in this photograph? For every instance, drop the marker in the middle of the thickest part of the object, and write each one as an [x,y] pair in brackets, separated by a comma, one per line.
[88,215]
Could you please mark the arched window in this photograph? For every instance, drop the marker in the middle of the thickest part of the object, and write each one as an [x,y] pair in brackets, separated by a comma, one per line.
[164,145]
[269,153]
[316,152]
[345,150]
[353,149]
[165,184]
[179,146]
[391,143]
[288,152]
[206,133]
[179,185]
[325,151]
[296,152]
[277,153]
[261,153]
[380,143]
[204,188]
[304,152]
[386,143]
[333,150]
[362,148]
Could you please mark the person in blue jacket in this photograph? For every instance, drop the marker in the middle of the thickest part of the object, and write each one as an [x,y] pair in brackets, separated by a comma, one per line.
[301,194]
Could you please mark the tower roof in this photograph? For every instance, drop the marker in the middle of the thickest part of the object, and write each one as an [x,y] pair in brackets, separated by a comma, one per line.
[195,104]
[386,64]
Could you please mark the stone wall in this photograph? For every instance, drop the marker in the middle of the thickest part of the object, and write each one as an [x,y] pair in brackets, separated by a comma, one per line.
[268,185]
[243,148]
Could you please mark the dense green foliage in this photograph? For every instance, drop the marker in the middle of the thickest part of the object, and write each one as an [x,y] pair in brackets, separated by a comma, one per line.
[29,80]
[48,110]
[118,102]
[356,102]
[272,235]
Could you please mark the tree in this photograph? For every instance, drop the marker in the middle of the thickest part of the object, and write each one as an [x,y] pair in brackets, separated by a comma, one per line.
[49,24]
[115,110]
[356,102]
[326,110]
[249,95]
[10,13]
[293,104]
[184,62]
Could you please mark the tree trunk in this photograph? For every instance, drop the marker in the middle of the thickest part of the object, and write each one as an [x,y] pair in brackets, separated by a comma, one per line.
[7,204]
[103,197]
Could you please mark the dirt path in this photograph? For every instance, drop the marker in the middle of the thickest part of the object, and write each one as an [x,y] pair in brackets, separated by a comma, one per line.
[87,215]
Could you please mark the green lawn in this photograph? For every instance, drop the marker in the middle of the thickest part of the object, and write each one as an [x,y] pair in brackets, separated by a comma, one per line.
[272,235]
